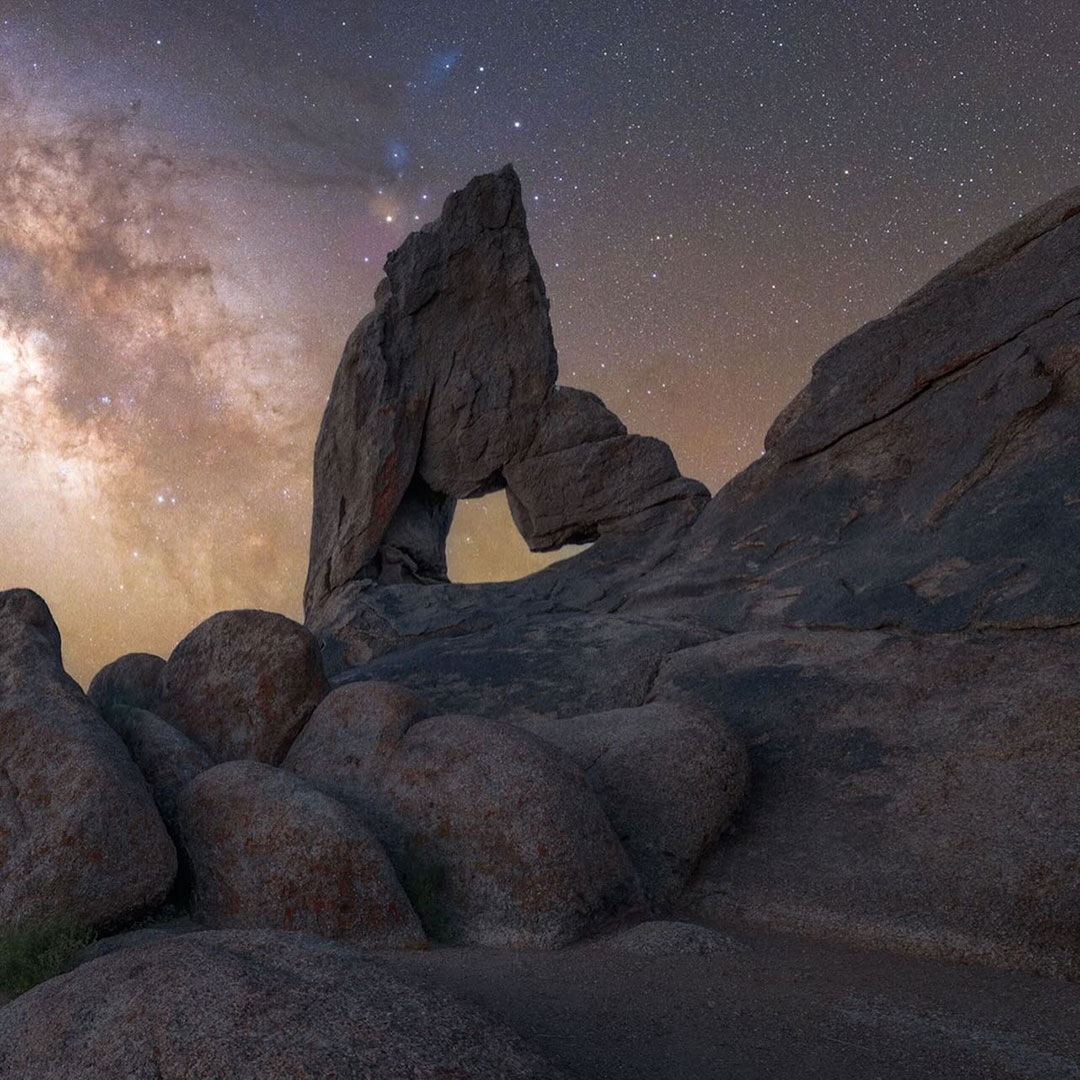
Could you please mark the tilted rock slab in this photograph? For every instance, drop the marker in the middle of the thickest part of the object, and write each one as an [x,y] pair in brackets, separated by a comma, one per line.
[446,391]
[242,684]
[269,851]
[79,834]
[496,836]
[250,1005]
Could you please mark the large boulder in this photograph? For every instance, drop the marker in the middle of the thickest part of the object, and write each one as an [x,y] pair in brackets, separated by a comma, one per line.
[926,477]
[242,684]
[130,680]
[79,834]
[497,837]
[668,777]
[447,390]
[250,1006]
[268,851]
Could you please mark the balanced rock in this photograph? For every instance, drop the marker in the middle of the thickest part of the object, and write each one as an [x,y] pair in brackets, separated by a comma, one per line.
[268,851]
[447,390]
[79,833]
[250,1005]
[130,680]
[669,779]
[497,838]
[242,684]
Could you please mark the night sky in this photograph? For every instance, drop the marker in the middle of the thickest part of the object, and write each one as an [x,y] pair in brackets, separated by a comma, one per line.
[196,200]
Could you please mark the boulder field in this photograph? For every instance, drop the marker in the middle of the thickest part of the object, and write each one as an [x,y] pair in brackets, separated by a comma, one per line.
[840,698]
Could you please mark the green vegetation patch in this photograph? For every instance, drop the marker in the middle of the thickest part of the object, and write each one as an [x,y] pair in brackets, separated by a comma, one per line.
[33,950]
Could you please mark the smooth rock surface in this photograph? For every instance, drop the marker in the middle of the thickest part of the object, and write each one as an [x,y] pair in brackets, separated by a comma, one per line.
[495,835]
[129,680]
[910,791]
[668,778]
[663,937]
[79,834]
[242,684]
[268,851]
[250,1006]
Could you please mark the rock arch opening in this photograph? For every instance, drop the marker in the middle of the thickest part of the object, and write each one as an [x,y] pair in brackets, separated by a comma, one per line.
[485,545]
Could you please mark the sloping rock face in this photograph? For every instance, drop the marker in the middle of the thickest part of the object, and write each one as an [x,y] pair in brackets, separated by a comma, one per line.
[253,1006]
[927,475]
[446,391]
[925,485]
[79,834]
[242,684]
[913,790]
[268,851]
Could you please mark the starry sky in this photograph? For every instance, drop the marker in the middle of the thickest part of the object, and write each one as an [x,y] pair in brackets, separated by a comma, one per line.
[196,200]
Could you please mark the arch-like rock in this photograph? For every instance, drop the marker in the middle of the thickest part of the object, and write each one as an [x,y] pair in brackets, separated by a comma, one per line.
[447,390]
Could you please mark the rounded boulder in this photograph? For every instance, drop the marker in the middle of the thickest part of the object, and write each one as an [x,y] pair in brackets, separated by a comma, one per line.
[267,850]
[242,684]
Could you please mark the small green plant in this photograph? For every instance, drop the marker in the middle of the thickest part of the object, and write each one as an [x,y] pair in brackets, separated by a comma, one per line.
[33,950]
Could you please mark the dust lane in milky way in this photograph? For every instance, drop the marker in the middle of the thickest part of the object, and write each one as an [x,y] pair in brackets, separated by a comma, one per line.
[196,201]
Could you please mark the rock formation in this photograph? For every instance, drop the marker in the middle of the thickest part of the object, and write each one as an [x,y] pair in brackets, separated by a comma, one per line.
[447,390]
[924,483]
[242,684]
[872,632]
[79,834]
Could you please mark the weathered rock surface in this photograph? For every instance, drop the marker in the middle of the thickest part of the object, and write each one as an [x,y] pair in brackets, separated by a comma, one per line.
[242,684]
[927,476]
[668,778]
[79,834]
[496,836]
[269,851]
[909,791]
[251,1006]
[351,736]
[562,664]
[446,391]
[129,680]
[167,758]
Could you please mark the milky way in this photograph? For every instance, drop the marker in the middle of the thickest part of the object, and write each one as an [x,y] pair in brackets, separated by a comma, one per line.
[196,200]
